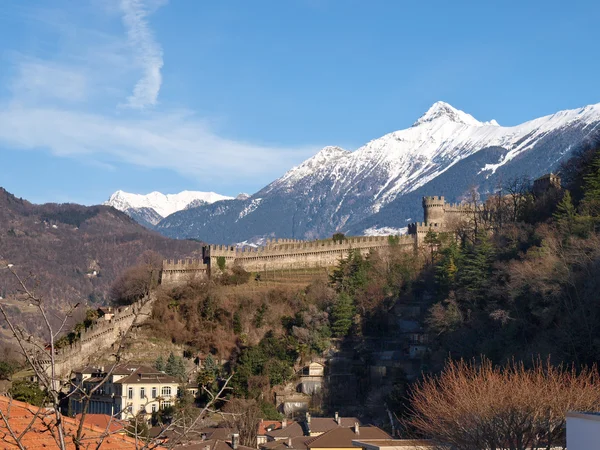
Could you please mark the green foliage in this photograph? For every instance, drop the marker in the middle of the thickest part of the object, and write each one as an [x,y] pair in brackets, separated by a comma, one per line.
[342,315]
[26,391]
[159,364]
[221,263]
[393,240]
[269,411]
[7,368]
[339,237]
[351,273]
[138,426]
[259,317]
[175,366]
[273,357]
[565,216]
[476,267]
[237,322]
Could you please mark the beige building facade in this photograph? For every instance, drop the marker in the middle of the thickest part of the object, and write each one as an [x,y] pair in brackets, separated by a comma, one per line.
[127,391]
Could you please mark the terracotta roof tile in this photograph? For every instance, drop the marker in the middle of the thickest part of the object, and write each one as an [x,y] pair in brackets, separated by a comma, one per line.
[102,421]
[20,415]
[269,425]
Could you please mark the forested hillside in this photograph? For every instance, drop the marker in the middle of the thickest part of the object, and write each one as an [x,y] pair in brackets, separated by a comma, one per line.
[520,283]
[73,253]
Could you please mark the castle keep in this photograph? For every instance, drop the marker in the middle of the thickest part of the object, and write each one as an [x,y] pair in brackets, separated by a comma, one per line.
[292,254]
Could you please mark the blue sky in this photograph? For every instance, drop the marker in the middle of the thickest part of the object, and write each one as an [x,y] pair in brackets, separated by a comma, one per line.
[143,95]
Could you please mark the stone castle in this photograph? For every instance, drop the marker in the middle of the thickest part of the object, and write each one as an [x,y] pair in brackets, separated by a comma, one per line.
[291,254]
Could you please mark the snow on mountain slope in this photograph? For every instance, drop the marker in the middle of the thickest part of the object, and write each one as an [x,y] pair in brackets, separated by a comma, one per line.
[379,185]
[404,160]
[162,204]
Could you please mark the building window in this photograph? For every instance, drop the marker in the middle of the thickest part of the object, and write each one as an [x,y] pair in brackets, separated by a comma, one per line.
[142,392]
[166,390]
[154,392]
[130,393]
[166,405]
[153,407]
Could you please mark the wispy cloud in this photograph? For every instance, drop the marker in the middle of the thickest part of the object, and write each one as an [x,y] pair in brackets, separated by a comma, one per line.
[147,52]
[173,140]
[68,103]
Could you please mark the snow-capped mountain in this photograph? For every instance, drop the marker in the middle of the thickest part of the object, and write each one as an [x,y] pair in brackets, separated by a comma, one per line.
[380,185]
[151,208]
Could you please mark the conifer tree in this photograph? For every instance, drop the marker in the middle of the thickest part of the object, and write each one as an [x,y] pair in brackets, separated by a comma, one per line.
[342,315]
[477,265]
[591,198]
[159,364]
[171,365]
[566,215]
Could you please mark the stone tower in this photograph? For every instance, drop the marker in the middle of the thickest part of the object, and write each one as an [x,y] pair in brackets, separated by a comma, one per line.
[433,209]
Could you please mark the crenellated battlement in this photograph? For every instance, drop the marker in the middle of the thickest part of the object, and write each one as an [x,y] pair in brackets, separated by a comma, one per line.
[278,254]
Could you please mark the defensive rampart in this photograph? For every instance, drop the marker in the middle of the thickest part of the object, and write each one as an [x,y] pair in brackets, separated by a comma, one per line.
[283,254]
[181,271]
[293,255]
[101,337]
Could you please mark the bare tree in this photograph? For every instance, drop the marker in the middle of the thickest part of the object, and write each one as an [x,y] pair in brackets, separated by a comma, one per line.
[471,406]
[41,358]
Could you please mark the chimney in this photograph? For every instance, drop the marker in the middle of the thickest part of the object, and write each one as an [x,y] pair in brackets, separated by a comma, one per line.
[337,418]
[356,428]
[283,423]
[235,441]
[308,417]
[289,442]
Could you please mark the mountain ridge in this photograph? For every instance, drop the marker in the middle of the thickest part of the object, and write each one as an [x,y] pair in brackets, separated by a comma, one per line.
[339,190]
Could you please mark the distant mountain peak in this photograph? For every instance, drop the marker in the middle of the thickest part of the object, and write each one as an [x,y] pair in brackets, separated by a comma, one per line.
[163,205]
[445,111]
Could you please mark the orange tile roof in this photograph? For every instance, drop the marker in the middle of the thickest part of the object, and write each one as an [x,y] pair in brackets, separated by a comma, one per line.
[103,420]
[270,424]
[20,416]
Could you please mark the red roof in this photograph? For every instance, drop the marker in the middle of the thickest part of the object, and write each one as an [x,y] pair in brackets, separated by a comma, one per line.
[264,426]
[103,421]
[21,415]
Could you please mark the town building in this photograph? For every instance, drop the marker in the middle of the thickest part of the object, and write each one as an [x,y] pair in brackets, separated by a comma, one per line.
[128,390]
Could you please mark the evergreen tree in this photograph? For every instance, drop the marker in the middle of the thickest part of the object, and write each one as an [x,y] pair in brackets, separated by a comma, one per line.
[476,265]
[237,323]
[447,267]
[342,315]
[171,365]
[590,205]
[159,364]
[566,215]
[180,371]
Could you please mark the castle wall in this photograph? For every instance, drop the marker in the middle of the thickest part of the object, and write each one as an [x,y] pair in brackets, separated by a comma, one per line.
[182,271]
[100,337]
[292,255]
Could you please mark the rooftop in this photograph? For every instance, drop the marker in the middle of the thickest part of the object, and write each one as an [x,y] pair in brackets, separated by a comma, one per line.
[20,416]
[343,437]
